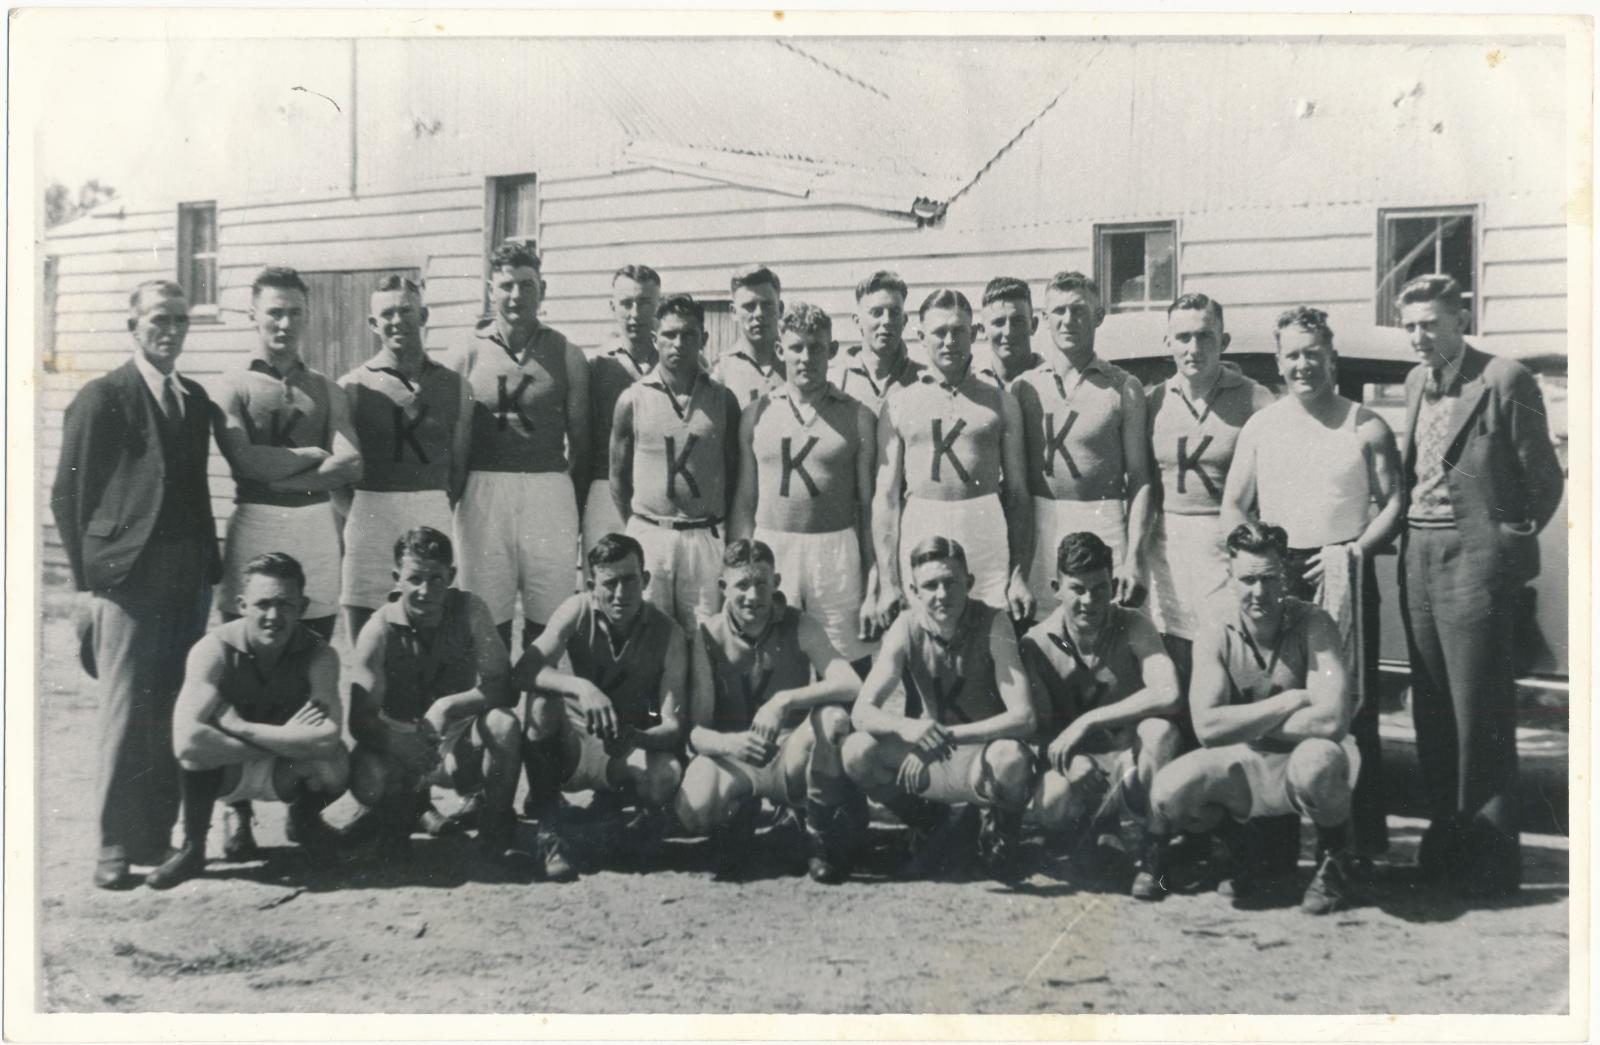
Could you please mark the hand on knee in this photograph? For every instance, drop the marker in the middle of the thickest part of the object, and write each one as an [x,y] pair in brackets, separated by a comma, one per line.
[1010,766]
[547,716]
[831,724]
[660,779]
[501,732]
[1159,740]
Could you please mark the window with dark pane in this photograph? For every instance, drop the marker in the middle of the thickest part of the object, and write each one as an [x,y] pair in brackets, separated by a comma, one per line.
[197,252]
[1414,243]
[1137,265]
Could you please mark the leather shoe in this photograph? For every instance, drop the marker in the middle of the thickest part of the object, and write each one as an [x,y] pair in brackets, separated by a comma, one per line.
[111,871]
[180,866]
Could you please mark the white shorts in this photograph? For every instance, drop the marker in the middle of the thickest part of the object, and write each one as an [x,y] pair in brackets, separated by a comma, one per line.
[518,532]
[378,519]
[1267,774]
[448,773]
[772,781]
[821,576]
[979,524]
[592,773]
[1188,571]
[684,567]
[255,782]
[1121,772]
[308,532]
[600,515]
[1053,520]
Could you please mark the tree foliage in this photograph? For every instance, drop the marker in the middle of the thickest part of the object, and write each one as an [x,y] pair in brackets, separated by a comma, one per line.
[62,205]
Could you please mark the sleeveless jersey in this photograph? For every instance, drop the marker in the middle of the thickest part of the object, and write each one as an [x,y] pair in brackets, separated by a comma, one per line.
[631,676]
[1310,480]
[270,699]
[610,374]
[952,682]
[855,378]
[1194,443]
[405,430]
[279,410]
[740,374]
[806,461]
[747,673]
[519,409]
[417,673]
[952,436]
[1255,673]
[1072,428]
[992,371]
[679,448]
[1076,679]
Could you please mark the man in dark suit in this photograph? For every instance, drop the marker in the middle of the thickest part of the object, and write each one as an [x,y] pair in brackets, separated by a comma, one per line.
[133,508]
[1484,480]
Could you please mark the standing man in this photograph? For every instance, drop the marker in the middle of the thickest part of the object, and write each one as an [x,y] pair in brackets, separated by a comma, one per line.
[768,716]
[674,463]
[259,718]
[1484,480]
[613,724]
[133,508]
[950,448]
[967,717]
[412,421]
[752,367]
[1088,450]
[1271,705]
[884,363]
[1326,469]
[517,523]
[1195,417]
[1104,683]
[808,459]
[1009,323]
[628,356]
[286,433]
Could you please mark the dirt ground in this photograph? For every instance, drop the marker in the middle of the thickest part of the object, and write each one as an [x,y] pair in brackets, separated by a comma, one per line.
[444,934]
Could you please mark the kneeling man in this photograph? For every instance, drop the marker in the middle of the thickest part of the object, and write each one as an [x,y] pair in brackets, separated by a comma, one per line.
[612,724]
[258,718]
[770,709]
[1103,681]
[429,702]
[967,712]
[1271,703]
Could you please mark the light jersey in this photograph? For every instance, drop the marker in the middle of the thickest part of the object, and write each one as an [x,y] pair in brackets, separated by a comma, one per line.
[806,461]
[1072,428]
[747,672]
[1255,673]
[1194,443]
[680,448]
[405,431]
[992,371]
[416,672]
[953,436]
[610,374]
[747,379]
[855,378]
[952,682]
[1310,480]
[519,409]
[1076,679]
[289,410]
[273,697]
[631,676]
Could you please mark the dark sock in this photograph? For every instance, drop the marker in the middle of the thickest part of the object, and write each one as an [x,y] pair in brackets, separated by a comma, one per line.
[541,762]
[1332,839]
[199,788]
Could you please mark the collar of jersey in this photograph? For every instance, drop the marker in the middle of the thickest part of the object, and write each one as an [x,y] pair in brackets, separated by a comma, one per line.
[261,366]
[1057,361]
[783,391]
[485,330]
[235,637]
[385,360]
[1231,377]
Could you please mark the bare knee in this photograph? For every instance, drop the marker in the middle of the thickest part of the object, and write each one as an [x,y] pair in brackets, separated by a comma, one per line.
[547,716]
[699,796]
[329,776]
[1010,765]
[660,779]
[1159,740]
[370,777]
[862,762]
[501,732]
[831,724]
[1318,776]
[1173,798]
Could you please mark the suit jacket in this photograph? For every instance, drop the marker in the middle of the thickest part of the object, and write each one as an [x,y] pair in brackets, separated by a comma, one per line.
[108,486]
[1504,477]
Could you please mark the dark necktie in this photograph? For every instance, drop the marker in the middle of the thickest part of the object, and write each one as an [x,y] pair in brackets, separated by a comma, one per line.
[169,403]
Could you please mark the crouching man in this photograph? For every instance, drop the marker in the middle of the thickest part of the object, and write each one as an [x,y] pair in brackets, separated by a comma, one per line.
[770,710]
[967,713]
[613,724]
[258,718]
[1271,705]
[428,703]
[1103,680]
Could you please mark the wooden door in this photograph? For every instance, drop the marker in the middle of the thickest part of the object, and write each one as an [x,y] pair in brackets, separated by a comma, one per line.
[337,338]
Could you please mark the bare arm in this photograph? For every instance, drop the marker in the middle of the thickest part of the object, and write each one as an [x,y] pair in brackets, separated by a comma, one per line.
[886,508]
[579,433]
[868,713]
[308,735]
[666,734]
[195,738]
[1239,492]
[742,518]
[730,451]
[367,685]
[1160,695]
[1216,722]
[1327,712]
[866,482]
[622,456]
[1018,507]
[255,462]
[1136,463]
[493,688]
[1383,480]
[704,739]
[461,438]
[1018,719]
[342,466]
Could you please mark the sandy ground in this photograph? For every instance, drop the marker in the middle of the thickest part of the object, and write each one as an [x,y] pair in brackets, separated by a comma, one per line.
[445,934]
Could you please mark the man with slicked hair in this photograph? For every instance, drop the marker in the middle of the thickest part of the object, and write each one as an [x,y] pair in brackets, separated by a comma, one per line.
[884,362]
[1009,324]
[628,355]
[751,366]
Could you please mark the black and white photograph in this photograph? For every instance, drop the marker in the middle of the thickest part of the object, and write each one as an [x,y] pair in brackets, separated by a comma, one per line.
[538,514]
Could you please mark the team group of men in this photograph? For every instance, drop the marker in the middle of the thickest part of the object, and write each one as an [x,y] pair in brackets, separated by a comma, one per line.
[806,579]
